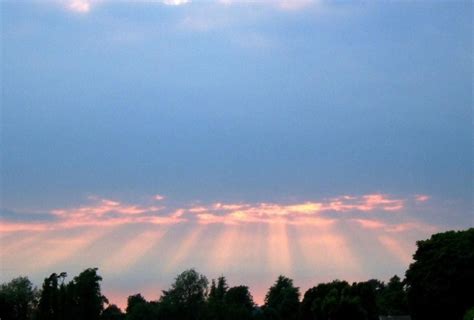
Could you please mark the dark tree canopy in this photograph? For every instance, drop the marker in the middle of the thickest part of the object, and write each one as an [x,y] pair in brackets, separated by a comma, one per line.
[338,301]
[282,300]
[215,304]
[187,296]
[140,309]
[112,312]
[441,280]
[392,298]
[87,297]
[80,299]
[17,299]
[239,303]
[54,299]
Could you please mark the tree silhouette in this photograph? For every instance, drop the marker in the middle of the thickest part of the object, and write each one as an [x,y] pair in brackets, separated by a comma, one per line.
[186,298]
[239,303]
[441,280]
[392,298]
[112,312]
[282,300]
[87,296]
[48,308]
[17,299]
[140,309]
[215,303]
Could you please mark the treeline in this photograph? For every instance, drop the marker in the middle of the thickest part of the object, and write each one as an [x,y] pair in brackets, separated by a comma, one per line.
[439,284]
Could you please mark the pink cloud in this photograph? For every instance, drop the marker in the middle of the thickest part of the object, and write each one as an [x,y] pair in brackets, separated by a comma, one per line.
[394,227]
[422,197]
[159,197]
[109,212]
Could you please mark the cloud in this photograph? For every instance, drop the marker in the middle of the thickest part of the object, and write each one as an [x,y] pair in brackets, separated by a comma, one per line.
[85,6]
[286,5]
[158,197]
[295,4]
[110,212]
[394,227]
[422,197]
[176,2]
[79,6]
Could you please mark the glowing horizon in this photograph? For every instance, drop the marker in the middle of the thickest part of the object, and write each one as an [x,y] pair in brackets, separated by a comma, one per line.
[250,243]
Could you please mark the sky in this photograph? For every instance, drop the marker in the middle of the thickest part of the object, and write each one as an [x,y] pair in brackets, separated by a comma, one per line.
[315,139]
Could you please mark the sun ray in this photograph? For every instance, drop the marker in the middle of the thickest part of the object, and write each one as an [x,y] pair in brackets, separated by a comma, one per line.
[225,246]
[187,244]
[132,251]
[278,248]
[396,249]
[54,249]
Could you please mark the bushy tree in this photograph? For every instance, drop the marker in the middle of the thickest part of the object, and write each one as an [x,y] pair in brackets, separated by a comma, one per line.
[186,298]
[239,303]
[440,281]
[469,314]
[338,300]
[140,309]
[18,299]
[365,293]
[392,298]
[112,312]
[282,300]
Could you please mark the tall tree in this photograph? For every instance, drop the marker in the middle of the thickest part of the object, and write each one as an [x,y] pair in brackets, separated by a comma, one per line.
[86,294]
[441,278]
[215,303]
[282,300]
[48,308]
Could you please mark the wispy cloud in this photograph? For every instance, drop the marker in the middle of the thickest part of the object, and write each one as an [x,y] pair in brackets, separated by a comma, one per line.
[158,197]
[79,6]
[85,6]
[422,197]
[176,2]
[287,5]
[108,212]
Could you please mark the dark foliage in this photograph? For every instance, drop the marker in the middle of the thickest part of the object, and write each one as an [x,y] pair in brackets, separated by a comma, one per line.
[112,312]
[80,299]
[282,300]
[441,280]
[17,299]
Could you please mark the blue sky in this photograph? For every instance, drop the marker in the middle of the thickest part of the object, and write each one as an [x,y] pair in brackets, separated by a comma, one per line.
[236,102]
